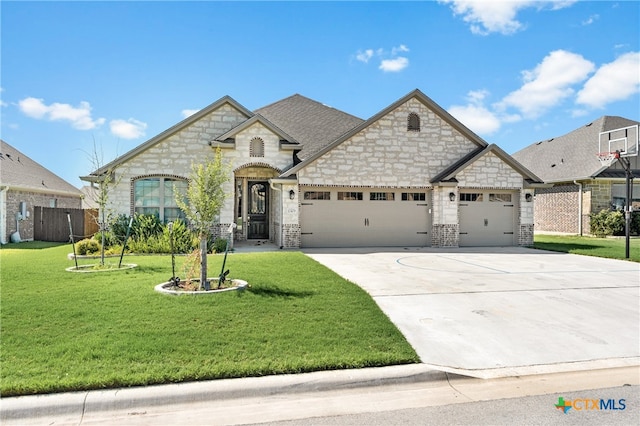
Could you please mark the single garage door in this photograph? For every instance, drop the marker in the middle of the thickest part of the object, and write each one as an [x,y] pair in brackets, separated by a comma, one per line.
[348,217]
[488,218]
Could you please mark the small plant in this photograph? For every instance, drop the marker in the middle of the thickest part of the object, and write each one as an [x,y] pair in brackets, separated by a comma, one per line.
[87,247]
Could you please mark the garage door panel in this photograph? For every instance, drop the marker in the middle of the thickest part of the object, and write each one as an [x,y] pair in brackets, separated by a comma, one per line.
[487,220]
[365,222]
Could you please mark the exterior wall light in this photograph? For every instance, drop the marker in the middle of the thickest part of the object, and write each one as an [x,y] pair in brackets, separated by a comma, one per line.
[292,194]
[528,197]
[452,196]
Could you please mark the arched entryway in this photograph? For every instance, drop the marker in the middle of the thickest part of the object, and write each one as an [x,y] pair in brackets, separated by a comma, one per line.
[254,205]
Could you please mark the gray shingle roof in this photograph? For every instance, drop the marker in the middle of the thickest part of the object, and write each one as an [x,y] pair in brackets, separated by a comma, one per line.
[571,156]
[309,122]
[19,172]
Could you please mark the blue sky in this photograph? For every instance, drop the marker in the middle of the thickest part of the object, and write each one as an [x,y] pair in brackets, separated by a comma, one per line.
[110,75]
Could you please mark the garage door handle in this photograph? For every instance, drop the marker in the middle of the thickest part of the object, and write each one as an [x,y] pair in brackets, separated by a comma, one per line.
[366,221]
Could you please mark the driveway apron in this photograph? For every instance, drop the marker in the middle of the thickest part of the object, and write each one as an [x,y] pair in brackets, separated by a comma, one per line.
[495,312]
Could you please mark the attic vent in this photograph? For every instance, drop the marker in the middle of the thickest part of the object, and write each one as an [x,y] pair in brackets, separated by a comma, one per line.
[588,125]
[553,165]
[550,139]
[539,143]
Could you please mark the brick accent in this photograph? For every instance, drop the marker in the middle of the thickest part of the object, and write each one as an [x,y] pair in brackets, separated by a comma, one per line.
[525,236]
[445,235]
[291,235]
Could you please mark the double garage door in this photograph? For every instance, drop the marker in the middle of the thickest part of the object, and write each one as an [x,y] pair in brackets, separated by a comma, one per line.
[357,217]
[488,218]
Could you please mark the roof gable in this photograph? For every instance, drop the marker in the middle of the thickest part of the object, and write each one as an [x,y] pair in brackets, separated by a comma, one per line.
[313,124]
[450,172]
[19,172]
[225,100]
[250,122]
[416,94]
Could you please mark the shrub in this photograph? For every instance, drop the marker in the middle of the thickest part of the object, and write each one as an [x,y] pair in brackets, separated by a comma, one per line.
[184,240]
[607,223]
[87,246]
[146,226]
[219,245]
[118,228]
[635,223]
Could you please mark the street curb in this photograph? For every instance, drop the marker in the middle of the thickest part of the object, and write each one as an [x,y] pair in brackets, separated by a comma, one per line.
[80,404]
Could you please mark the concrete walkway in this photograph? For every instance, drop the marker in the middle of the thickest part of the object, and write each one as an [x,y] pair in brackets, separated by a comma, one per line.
[495,312]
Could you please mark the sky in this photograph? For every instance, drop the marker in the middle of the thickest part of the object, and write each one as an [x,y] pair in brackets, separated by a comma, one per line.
[84,82]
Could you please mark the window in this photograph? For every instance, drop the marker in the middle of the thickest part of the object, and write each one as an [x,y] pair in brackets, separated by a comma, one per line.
[350,196]
[157,196]
[500,198]
[382,196]
[619,196]
[413,122]
[470,197]
[53,202]
[414,196]
[256,149]
[317,195]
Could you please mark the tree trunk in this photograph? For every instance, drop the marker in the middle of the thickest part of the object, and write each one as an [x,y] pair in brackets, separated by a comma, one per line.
[203,260]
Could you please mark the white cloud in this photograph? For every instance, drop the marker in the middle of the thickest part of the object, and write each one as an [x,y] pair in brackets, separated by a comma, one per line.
[79,117]
[128,129]
[612,82]
[591,20]
[548,83]
[485,17]
[389,60]
[401,48]
[364,56]
[475,115]
[188,112]
[394,65]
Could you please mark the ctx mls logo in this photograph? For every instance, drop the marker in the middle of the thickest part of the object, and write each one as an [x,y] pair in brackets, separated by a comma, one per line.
[583,404]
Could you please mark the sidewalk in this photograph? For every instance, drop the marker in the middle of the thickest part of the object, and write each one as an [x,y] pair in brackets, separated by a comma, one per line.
[294,397]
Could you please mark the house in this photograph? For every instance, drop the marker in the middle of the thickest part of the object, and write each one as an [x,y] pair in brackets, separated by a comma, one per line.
[24,185]
[308,175]
[580,184]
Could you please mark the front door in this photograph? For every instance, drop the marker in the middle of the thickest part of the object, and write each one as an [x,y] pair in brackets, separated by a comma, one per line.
[258,210]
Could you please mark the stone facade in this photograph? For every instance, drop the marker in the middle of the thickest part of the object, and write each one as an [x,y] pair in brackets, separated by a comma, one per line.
[384,154]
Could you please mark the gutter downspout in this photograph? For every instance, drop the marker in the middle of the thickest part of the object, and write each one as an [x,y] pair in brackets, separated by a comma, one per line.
[579,206]
[281,209]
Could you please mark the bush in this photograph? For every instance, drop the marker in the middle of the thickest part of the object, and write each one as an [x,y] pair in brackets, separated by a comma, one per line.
[146,226]
[184,240]
[607,223]
[219,245]
[87,246]
[635,223]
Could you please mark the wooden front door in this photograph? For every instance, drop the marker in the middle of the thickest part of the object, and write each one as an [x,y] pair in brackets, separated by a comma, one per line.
[258,210]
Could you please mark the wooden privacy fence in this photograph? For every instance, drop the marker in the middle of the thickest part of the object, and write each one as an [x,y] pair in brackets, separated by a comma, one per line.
[51,224]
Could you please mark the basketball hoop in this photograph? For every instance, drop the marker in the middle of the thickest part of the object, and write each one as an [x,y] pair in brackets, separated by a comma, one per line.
[607,158]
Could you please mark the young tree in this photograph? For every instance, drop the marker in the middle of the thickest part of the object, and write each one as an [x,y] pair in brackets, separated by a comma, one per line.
[204,199]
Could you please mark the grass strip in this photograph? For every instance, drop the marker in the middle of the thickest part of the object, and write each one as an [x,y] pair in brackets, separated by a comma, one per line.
[612,248]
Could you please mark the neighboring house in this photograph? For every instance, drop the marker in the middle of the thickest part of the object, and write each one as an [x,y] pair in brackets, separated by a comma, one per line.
[307,175]
[580,184]
[25,184]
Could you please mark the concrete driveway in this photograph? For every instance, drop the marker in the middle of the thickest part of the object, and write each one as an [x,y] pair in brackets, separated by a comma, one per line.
[496,312]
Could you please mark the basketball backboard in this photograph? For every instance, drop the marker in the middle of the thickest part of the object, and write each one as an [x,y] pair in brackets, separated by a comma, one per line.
[623,140]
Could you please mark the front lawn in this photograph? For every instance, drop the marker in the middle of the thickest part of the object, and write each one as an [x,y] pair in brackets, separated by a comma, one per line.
[613,248]
[65,331]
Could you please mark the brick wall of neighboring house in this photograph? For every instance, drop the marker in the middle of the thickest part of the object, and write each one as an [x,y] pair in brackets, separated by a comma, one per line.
[13,200]
[556,209]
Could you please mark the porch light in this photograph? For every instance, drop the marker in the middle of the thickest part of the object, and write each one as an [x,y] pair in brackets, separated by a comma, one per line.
[292,194]
[528,197]
[452,196]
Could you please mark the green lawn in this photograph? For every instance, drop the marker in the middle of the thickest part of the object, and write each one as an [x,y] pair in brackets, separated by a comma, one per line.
[65,331]
[613,248]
